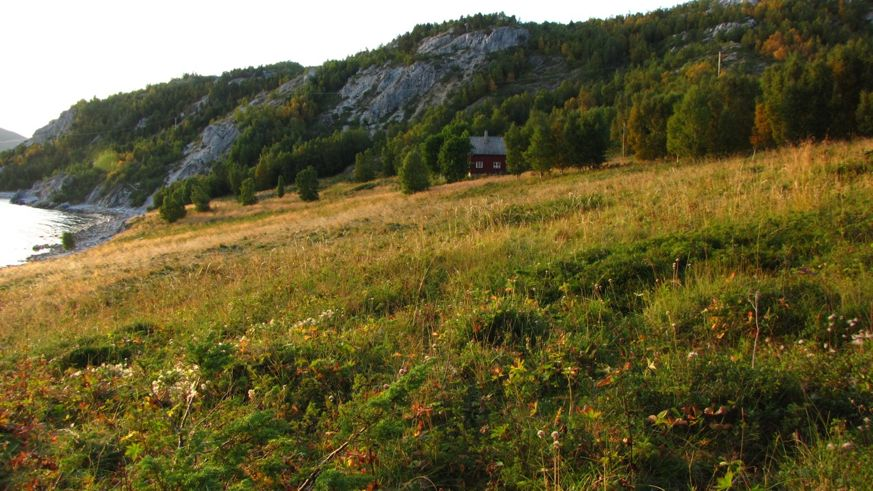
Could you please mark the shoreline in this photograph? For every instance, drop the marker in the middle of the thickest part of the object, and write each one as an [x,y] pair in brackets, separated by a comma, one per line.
[107,223]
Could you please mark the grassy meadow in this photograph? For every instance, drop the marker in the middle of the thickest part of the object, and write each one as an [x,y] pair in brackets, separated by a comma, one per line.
[702,325]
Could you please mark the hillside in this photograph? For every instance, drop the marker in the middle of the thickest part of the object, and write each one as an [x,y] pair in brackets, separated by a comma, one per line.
[9,139]
[705,324]
[705,78]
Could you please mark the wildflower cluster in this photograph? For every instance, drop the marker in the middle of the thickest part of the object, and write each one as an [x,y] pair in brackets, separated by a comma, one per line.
[118,370]
[323,317]
[860,337]
[556,438]
[178,384]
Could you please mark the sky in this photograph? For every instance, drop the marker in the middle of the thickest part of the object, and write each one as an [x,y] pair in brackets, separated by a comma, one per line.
[57,52]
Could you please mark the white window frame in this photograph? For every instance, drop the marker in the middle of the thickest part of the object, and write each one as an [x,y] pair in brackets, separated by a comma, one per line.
[480,164]
[498,164]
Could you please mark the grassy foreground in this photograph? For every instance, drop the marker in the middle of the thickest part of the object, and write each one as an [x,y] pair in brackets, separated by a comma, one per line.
[703,325]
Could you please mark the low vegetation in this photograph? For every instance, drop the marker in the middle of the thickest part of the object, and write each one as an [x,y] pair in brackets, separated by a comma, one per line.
[702,324]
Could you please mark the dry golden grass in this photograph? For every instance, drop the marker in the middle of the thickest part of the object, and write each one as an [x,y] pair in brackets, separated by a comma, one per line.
[286,256]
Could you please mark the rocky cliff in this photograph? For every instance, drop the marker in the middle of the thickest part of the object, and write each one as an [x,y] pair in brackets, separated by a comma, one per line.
[380,94]
[56,128]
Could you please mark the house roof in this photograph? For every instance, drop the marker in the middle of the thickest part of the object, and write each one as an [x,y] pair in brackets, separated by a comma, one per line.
[487,145]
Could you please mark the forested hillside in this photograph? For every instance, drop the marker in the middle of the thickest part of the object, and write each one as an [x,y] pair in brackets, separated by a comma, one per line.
[705,78]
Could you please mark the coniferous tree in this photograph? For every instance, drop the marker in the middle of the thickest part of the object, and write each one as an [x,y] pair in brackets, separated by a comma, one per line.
[365,166]
[516,143]
[864,113]
[173,206]
[266,171]
[236,174]
[594,130]
[413,173]
[431,151]
[797,97]
[200,196]
[737,96]
[280,186]
[570,139]
[247,192]
[691,130]
[307,184]
[541,151]
[158,198]
[647,124]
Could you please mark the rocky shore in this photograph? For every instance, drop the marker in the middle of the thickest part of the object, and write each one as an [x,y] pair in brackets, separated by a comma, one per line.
[101,225]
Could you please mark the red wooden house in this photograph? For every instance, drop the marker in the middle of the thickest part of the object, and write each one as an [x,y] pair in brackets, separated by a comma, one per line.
[488,155]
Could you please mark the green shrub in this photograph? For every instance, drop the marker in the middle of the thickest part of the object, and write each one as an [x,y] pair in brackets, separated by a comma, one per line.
[247,192]
[173,206]
[200,196]
[93,353]
[510,323]
[307,184]
[365,166]
[280,186]
[332,479]
[413,173]
[212,355]
[140,328]
[68,241]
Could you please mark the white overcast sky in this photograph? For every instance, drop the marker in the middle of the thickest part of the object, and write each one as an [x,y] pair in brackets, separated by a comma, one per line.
[56,52]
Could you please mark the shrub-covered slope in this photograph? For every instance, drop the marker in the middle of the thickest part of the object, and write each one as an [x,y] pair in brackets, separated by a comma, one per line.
[705,78]
[660,325]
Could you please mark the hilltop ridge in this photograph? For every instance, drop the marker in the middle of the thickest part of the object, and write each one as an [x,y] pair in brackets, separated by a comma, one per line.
[9,139]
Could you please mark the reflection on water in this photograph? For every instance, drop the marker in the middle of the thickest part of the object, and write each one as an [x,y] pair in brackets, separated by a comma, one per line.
[23,227]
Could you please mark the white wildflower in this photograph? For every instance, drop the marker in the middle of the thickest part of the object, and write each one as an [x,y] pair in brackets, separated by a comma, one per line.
[860,337]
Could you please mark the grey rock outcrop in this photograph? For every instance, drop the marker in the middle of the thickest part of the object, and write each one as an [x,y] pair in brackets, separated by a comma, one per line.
[55,129]
[727,27]
[118,196]
[381,94]
[473,43]
[215,141]
[41,193]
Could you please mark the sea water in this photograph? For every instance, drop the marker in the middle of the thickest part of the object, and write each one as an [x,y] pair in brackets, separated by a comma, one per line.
[23,227]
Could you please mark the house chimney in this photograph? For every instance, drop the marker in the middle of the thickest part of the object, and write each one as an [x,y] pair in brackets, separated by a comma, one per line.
[486,135]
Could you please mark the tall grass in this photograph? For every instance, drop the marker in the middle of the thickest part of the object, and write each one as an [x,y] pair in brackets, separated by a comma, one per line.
[436,334]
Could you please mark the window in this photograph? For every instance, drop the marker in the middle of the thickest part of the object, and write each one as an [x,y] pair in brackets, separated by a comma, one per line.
[480,164]
[497,164]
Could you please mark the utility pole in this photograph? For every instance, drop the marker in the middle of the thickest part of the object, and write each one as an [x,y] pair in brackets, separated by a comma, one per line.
[719,63]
